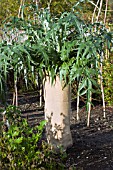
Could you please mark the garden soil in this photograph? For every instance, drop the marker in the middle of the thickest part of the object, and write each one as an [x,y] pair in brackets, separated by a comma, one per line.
[92,146]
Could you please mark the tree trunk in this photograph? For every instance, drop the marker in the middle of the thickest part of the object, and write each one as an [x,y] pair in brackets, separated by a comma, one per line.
[57,114]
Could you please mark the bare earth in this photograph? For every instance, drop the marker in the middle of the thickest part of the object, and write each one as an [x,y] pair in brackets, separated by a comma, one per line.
[92,146]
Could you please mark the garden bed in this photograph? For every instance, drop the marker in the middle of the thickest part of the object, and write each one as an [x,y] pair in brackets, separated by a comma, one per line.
[92,146]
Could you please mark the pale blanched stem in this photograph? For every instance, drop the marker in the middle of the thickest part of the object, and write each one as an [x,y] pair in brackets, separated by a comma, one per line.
[7,124]
[16,93]
[57,113]
[96,7]
[106,11]
[89,105]
[41,96]
[89,112]
[78,101]
[89,108]
[4,116]
[102,88]
[13,97]
[100,8]
[20,13]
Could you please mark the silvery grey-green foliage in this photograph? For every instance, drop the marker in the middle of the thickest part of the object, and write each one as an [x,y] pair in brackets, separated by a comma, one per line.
[13,56]
[63,46]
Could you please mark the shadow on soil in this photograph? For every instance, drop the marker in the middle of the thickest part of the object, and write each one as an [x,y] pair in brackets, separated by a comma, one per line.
[92,146]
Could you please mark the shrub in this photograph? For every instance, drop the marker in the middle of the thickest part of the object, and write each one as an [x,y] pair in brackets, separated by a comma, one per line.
[22,147]
[108,80]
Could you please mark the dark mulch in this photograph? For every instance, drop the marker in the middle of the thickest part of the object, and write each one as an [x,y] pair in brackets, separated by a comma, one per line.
[92,146]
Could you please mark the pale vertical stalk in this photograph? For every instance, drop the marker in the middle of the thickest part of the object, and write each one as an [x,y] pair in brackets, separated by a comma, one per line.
[20,11]
[89,110]
[95,11]
[78,98]
[101,57]
[107,54]
[25,77]
[40,90]
[49,5]
[14,97]
[107,51]
[89,104]
[101,83]
[106,11]
[4,116]
[41,95]
[100,8]
[78,102]
[32,69]
[36,3]
[16,94]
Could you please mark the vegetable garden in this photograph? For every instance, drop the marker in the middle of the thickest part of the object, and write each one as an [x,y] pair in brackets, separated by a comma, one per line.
[53,53]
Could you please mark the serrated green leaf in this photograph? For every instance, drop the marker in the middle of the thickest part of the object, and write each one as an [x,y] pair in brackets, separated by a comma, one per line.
[82,85]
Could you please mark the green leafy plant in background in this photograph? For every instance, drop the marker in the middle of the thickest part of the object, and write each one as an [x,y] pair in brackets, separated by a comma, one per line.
[5,53]
[11,63]
[63,46]
[108,79]
[22,147]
